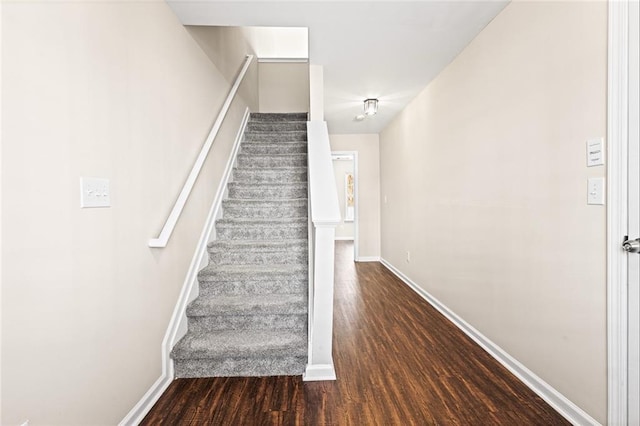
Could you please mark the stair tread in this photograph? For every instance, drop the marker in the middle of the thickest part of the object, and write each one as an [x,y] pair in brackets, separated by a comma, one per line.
[241,343]
[275,132]
[278,116]
[289,144]
[276,155]
[260,221]
[259,245]
[269,184]
[249,304]
[277,269]
[279,201]
[273,169]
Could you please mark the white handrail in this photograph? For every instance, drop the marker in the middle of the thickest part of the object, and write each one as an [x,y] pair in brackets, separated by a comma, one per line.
[325,216]
[171,221]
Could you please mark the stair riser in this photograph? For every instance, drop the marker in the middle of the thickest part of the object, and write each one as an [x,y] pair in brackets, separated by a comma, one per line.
[285,137]
[241,287]
[250,258]
[263,149]
[249,175]
[271,117]
[262,233]
[248,322]
[276,126]
[238,210]
[244,367]
[270,192]
[266,161]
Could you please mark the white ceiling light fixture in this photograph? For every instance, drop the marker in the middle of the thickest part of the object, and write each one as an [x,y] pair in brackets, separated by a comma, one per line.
[370,106]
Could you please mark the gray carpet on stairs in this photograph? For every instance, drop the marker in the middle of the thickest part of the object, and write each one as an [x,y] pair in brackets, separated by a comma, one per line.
[250,317]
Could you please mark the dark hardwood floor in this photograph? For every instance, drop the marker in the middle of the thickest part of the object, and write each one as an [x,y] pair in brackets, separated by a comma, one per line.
[398,362]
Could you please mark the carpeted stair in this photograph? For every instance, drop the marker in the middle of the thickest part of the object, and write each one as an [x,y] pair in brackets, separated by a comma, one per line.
[250,318]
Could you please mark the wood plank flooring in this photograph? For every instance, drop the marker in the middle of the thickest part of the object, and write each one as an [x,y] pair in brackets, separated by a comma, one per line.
[398,362]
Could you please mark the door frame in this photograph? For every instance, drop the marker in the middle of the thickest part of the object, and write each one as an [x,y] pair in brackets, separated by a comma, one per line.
[356,194]
[617,213]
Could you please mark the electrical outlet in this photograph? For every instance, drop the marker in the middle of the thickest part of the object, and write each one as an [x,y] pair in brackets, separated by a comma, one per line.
[595,191]
[408,256]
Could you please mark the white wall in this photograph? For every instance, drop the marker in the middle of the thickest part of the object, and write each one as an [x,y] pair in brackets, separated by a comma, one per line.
[109,89]
[344,230]
[367,147]
[284,87]
[486,180]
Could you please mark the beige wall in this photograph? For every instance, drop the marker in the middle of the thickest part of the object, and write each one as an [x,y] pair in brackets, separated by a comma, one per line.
[108,89]
[1,240]
[284,87]
[368,177]
[344,230]
[227,47]
[485,179]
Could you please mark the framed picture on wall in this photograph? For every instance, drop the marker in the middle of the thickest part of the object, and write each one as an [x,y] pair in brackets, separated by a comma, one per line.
[349,204]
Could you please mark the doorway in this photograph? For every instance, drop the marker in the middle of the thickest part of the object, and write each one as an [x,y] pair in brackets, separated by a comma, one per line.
[345,166]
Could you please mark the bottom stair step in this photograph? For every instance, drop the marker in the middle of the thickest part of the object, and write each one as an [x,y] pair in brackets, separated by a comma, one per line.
[240,353]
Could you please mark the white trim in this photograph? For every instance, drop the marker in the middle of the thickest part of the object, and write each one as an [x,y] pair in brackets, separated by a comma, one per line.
[143,406]
[617,127]
[344,238]
[172,220]
[283,60]
[319,372]
[559,402]
[178,323]
[368,259]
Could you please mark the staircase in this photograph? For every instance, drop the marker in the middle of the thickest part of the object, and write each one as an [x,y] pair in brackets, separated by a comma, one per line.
[250,318]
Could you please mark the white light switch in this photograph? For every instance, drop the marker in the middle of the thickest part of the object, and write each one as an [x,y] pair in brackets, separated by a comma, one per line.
[595,191]
[94,192]
[595,153]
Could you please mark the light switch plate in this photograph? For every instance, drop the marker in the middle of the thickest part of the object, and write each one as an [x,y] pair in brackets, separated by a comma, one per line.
[595,152]
[595,191]
[94,192]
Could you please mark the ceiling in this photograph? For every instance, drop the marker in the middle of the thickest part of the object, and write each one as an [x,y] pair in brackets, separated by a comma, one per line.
[388,50]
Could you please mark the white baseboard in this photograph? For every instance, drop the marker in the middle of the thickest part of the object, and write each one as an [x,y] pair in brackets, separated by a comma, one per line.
[343,238]
[555,399]
[319,372]
[137,413]
[368,259]
[178,324]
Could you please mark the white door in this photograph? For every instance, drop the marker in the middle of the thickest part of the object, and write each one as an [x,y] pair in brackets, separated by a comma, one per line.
[623,215]
[633,259]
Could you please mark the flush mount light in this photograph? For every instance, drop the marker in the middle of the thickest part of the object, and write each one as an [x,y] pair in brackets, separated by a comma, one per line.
[370,106]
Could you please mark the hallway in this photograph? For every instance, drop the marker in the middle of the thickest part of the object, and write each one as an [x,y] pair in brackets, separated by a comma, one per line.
[398,362]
